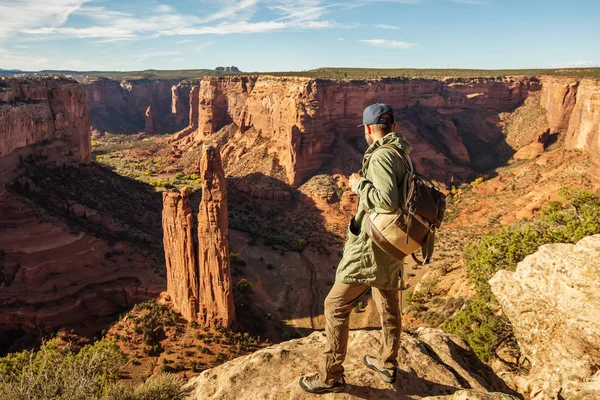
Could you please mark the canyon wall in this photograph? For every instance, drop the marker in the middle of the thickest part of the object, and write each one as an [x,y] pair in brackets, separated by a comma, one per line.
[573,109]
[67,259]
[199,278]
[133,106]
[453,124]
[49,116]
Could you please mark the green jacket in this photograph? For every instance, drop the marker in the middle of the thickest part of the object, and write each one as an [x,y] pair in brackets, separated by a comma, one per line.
[378,189]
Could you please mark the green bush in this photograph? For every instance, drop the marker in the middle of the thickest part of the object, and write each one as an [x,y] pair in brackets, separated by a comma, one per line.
[479,323]
[161,387]
[55,372]
[244,286]
[159,183]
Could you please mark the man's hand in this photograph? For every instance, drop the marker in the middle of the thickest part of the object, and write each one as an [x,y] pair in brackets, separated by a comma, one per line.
[353,178]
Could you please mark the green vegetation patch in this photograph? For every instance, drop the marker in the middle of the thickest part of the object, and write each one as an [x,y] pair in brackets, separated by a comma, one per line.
[480,323]
[58,372]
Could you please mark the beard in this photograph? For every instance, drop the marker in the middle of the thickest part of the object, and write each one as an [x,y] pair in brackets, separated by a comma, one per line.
[369,139]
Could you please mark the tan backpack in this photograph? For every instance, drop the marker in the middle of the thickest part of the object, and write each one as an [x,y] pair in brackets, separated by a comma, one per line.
[412,225]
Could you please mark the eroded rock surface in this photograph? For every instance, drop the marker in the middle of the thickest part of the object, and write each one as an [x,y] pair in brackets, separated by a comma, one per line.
[180,253]
[132,106]
[573,109]
[553,304]
[216,293]
[432,363]
[50,115]
[199,278]
[449,122]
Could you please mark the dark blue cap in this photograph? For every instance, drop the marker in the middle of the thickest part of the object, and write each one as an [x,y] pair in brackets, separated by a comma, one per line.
[374,111]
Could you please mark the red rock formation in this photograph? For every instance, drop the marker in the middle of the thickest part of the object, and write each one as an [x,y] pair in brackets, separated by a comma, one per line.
[120,107]
[149,124]
[193,117]
[573,109]
[304,117]
[216,293]
[200,285]
[180,101]
[49,111]
[180,254]
[533,150]
[52,277]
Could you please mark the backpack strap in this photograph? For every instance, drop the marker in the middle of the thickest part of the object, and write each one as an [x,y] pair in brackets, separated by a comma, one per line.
[406,161]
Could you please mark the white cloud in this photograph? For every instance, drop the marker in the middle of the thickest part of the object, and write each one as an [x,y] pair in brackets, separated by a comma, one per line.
[394,44]
[233,17]
[384,26]
[82,33]
[203,46]
[232,9]
[18,15]
[577,64]
[163,8]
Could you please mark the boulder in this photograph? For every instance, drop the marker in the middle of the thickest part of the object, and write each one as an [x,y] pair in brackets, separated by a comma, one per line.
[553,303]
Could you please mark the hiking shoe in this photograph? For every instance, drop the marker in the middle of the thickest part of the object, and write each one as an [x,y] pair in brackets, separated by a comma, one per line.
[387,374]
[313,384]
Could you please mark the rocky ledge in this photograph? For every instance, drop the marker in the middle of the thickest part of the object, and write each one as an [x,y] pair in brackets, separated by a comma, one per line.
[432,363]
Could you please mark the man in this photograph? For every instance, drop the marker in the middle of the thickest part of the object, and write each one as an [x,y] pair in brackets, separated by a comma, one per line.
[364,265]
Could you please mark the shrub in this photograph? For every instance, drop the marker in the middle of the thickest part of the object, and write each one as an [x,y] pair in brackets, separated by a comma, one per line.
[478,323]
[57,372]
[244,286]
[159,183]
[236,259]
[476,182]
[161,387]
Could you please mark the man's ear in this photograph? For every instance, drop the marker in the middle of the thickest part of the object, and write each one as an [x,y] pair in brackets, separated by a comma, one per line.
[368,129]
[394,127]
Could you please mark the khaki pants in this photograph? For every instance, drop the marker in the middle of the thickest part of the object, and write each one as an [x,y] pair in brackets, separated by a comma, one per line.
[338,305]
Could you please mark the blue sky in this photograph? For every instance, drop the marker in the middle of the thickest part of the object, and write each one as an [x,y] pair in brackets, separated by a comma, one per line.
[280,35]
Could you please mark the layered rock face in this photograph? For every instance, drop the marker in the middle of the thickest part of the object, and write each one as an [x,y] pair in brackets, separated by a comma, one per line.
[133,106]
[431,363]
[59,264]
[553,304]
[199,281]
[216,293]
[453,124]
[573,109]
[180,253]
[52,277]
[47,116]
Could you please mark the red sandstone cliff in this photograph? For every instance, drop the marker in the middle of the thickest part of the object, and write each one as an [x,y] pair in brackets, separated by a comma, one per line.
[55,272]
[216,293]
[122,107]
[453,124]
[180,254]
[199,281]
[48,116]
[573,109]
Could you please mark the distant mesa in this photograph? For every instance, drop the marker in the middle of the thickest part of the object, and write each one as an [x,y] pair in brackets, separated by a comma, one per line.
[227,69]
